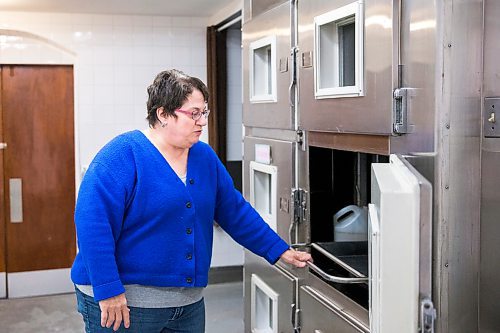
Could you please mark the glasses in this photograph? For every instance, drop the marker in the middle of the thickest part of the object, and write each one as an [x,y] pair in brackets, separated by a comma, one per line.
[196,114]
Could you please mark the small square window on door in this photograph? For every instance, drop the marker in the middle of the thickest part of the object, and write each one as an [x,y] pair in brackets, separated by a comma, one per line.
[264,307]
[263,70]
[263,194]
[338,55]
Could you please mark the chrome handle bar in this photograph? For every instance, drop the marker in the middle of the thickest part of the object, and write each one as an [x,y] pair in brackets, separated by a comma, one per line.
[333,278]
[323,274]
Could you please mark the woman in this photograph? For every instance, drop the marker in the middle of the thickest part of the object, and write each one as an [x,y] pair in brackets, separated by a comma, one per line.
[144,219]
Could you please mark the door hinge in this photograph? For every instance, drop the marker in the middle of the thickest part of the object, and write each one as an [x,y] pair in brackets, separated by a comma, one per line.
[3,145]
[400,109]
[299,198]
[427,316]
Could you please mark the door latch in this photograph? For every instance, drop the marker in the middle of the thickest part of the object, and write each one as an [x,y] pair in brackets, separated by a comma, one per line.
[492,119]
[299,197]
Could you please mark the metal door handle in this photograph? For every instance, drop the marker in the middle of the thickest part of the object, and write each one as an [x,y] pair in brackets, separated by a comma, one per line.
[290,91]
[16,200]
[322,273]
[291,98]
[333,278]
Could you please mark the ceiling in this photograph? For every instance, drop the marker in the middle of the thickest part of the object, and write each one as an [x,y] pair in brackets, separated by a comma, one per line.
[198,8]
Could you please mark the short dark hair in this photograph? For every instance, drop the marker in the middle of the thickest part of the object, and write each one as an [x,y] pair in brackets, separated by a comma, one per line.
[170,89]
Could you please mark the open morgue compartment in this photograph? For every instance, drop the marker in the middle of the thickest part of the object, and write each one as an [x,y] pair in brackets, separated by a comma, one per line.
[370,236]
[339,186]
[335,294]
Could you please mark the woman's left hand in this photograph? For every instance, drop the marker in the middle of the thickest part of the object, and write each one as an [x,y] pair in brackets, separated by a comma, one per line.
[296,258]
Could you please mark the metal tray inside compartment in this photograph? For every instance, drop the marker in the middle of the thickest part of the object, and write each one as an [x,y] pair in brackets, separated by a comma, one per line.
[352,256]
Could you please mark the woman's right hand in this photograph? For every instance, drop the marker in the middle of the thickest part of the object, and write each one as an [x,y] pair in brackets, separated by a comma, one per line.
[114,310]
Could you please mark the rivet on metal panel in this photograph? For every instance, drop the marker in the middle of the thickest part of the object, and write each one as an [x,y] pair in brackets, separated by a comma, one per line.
[449,45]
[447,126]
[446,265]
[447,187]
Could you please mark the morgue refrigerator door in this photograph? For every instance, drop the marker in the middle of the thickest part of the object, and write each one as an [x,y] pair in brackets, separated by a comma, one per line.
[394,228]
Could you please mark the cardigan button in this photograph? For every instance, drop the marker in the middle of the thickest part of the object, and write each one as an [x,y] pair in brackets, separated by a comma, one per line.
[191,181]
[188,204]
[189,256]
[189,280]
[189,231]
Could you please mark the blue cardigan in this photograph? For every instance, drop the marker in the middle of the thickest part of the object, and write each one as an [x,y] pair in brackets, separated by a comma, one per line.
[137,223]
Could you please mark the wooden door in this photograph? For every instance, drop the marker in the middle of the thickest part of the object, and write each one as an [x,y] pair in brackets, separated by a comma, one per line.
[3,281]
[38,128]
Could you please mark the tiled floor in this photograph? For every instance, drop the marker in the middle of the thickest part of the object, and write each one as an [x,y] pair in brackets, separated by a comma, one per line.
[224,312]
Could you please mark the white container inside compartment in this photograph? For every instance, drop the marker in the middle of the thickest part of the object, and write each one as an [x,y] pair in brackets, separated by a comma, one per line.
[351,224]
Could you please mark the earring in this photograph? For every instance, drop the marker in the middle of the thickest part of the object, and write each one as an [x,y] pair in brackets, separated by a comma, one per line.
[164,124]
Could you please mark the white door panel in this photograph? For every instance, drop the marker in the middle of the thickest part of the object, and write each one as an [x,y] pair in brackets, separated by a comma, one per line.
[394,228]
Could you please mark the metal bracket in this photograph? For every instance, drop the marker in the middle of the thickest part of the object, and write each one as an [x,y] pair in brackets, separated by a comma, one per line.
[427,316]
[400,111]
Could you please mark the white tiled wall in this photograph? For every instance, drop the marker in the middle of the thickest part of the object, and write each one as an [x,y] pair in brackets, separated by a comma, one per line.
[115,56]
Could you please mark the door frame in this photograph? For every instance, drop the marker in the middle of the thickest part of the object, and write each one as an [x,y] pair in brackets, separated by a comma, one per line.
[3,235]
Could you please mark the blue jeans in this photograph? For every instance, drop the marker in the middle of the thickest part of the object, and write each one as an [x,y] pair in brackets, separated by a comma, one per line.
[185,319]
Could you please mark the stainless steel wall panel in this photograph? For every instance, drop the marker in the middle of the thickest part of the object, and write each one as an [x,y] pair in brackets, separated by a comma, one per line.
[419,58]
[278,114]
[457,189]
[489,292]
[491,71]
[370,114]
[489,297]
